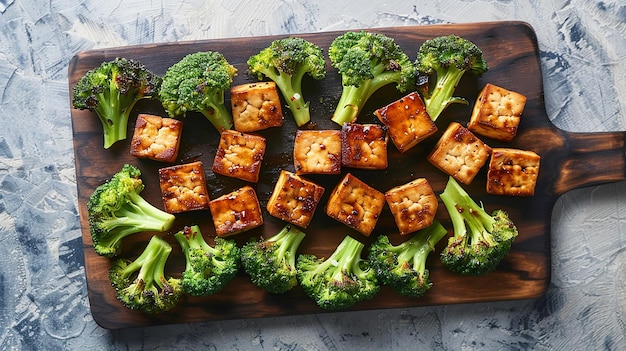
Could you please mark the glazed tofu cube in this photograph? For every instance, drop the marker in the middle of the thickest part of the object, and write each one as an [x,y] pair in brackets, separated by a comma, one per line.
[183,187]
[413,205]
[317,151]
[355,204]
[497,113]
[513,172]
[363,146]
[156,138]
[236,212]
[294,199]
[256,106]
[459,153]
[407,121]
[239,155]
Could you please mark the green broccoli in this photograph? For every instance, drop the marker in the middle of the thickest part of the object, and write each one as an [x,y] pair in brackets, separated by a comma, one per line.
[207,269]
[142,284]
[198,83]
[116,209]
[271,263]
[403,266]
[367,62]
[286,62]
[111,90]
[480,240]
[340,280]
[445,59]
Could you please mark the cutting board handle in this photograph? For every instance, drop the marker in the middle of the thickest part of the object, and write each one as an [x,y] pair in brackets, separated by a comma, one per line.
[590,159]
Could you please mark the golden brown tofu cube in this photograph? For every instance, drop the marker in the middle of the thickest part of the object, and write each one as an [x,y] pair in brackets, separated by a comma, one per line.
[413,205]
[156,138]
[497,113]
[294,199]
[363,146]
[317,151]
[256,106]
[236,212]
[183,187]
[459,153]
[407,121]
[239,155]
[513,172]
[355,204]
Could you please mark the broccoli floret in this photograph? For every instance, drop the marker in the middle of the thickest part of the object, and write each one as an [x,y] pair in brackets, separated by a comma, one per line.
[445,59]
[480,240]
[340,280]
[271,263]
[116,209]
[367,62]
[142,284]
[286,62]
[198,83]
[111,91]
[207,269]
[403,266]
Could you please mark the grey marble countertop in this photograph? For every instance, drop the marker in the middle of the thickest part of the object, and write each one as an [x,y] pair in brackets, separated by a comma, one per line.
[43,298]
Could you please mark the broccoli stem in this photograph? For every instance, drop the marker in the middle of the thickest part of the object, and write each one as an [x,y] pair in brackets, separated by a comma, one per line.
[464,210]
[291,89]
[441,95]
[191,239]
[344,260]
[417,249]
[114,110]
[150,263]
[218,115]
[288,239]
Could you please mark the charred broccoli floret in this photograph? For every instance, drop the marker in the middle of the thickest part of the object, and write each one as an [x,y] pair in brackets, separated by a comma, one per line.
[142,284]
[480,240]
[271,262]
[367,62]
[444,60]
[111,90]
[116,209]
[339,281]
[198,83]
[403,266]
[207,268]
[286,62]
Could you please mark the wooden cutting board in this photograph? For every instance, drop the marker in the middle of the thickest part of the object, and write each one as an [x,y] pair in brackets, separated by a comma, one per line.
[569,160]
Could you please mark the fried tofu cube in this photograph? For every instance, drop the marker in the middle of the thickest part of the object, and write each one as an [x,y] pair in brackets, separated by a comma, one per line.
[407,121]
[317,152]
[256,106]
[236,212]
[513,172]
[497,113]
[355,204]
[363,146]
[183,187]
[156,138]
[294,199]
[413,205]
[459,153]
[239,155]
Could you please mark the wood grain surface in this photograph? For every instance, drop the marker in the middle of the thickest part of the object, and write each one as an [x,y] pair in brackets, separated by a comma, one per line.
[569,160]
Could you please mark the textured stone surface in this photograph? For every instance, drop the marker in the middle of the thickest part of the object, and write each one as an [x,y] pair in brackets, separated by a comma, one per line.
[43,302]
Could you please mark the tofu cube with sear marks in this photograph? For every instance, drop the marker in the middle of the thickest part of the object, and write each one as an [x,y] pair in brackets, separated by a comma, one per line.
[256,106]
[183,187]
[363,146]
[294,199]
[236,212]
[239,155]
[317,152]
[407,121]
[355,204]
[513,172]
[497,113]
[413,205]
[459,153]
[156,138]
